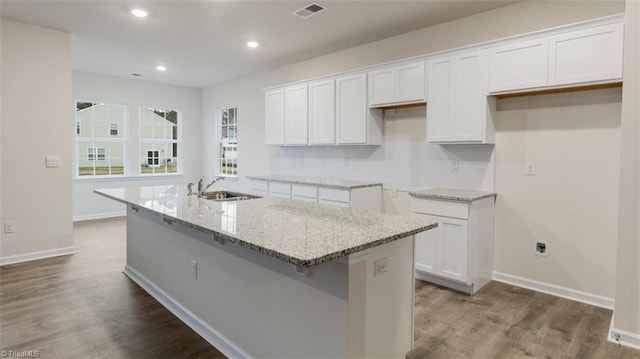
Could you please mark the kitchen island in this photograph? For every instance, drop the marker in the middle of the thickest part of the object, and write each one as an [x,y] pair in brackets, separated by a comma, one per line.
[275,278]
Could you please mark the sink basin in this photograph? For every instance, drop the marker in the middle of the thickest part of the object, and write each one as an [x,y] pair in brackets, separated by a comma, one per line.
[228,196]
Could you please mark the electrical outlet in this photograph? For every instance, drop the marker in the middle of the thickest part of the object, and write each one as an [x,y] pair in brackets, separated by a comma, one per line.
[9,227]
[194,269]
[530,168]
[455,166]
[542,249]
[380,266]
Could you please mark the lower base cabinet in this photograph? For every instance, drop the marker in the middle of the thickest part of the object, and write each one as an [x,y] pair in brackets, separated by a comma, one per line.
[459,253]
[367,198]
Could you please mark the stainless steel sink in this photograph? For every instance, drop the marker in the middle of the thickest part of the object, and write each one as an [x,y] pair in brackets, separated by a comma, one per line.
[228,196]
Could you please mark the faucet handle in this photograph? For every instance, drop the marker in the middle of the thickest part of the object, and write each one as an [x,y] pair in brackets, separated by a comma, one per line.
[190,188]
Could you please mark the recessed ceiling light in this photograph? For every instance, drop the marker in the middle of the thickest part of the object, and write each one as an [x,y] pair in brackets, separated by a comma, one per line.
[139,13]
[161,68]
[253,44]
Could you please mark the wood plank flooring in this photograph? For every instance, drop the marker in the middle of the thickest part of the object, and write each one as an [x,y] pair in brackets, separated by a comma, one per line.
[82,306]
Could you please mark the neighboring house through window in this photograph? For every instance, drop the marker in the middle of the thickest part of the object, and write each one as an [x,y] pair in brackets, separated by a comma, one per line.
[99,151]
[228,138]
[159,140]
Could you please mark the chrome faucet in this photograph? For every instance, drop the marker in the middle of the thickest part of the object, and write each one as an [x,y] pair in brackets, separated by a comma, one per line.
[201,189]
[190,188]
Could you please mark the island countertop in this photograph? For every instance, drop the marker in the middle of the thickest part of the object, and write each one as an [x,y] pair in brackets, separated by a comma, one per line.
[300,233]
[324,182]
[451,194]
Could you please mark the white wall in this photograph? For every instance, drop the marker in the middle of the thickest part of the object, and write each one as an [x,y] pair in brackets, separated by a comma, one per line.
[36,93]
[627,308]
[571,202]
[135,93]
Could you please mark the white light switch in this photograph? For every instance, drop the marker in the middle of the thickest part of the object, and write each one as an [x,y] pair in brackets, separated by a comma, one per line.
[53,161]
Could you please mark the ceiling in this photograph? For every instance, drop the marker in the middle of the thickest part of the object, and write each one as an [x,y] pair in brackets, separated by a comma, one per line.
[204,42]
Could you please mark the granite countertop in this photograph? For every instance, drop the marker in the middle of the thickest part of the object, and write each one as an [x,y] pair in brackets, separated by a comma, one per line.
[324,182]
[450,194]
[301,233]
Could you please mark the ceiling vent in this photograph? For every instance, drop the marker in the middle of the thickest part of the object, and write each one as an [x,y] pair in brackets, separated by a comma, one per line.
[308,10]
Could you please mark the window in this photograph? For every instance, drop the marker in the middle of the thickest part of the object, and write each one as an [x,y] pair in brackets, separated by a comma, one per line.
[96,153]
[228,148]
[99,152]
[159,140]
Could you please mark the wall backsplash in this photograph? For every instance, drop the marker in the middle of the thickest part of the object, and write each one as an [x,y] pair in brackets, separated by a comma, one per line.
[405,161]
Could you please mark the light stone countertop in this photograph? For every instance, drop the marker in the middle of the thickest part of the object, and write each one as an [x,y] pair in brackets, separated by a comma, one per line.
[301,233]
[450,194]
[324,182]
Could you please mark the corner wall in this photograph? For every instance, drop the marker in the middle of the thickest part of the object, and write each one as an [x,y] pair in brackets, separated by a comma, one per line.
[36,113]
[627,308]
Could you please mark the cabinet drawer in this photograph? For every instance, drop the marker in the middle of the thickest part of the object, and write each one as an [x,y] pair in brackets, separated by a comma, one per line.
[440,208]
[276,188]
[331,194]
[300,190]
[260,186]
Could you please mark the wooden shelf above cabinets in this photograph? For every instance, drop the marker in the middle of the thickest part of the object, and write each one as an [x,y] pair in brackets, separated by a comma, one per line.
[565,89]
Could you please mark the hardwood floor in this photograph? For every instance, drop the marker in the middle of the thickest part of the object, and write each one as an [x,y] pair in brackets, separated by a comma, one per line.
[82,306]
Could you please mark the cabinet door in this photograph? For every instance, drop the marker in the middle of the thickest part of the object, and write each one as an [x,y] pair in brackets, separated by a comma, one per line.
[274,117]
[469,98]
[452,248]
[593,54]
[439,120]
[351,109]
[381,87]
[296,115]
[410,82]
[426,249]
[322,109]
[519,66]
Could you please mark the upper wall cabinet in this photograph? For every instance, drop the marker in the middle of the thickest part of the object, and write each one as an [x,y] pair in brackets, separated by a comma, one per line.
[519,66]
[397,85]
[296,112]
[593,54]
[355,123]
[274,116]
[580,57]
[459,110]
[322,112]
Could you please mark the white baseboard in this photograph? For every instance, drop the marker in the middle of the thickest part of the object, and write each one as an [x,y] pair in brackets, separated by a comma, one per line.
[37,255]
[622,337]
[89,217]
[215,338]
[568,293]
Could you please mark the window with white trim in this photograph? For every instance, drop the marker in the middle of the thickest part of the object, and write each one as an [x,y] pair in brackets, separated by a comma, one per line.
[159,141]
[98,151]
[228,142]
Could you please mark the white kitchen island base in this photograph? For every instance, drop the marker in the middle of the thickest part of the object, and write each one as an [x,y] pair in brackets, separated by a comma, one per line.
[248,304]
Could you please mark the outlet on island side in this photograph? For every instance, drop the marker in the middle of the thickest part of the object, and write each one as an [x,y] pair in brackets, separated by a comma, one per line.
[194,269]
[9,227]
[380,266]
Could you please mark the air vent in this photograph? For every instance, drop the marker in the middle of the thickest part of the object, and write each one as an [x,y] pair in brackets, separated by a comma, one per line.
[308,10]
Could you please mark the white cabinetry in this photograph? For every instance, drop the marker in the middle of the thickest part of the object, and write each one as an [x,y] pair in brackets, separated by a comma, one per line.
[397,85]
[296,112]
[458,110]
[322,109]
[355,123]
[274,116]
[520,65]
[580,57]
[459,253]
[593,54]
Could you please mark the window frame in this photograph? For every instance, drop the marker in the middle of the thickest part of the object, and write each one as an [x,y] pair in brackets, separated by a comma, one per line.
[177,142]
[93,140]
[222,143]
